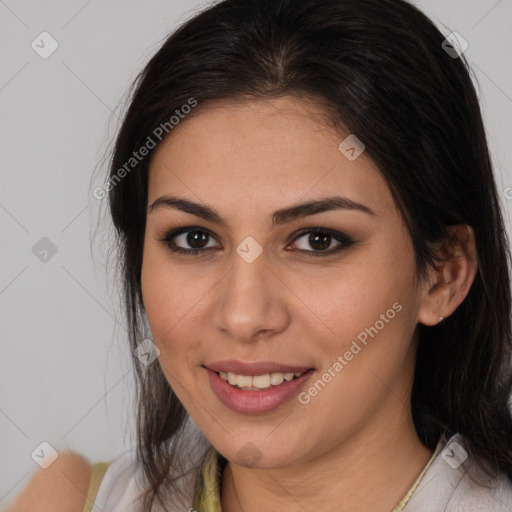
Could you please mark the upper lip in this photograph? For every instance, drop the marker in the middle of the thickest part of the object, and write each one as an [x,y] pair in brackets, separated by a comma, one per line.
[256,368]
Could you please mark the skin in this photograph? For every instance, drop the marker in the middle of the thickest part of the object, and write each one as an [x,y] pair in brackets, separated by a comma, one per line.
[353,446]
[61,487]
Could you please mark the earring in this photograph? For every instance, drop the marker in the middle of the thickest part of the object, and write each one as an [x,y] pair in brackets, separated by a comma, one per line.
[441,319]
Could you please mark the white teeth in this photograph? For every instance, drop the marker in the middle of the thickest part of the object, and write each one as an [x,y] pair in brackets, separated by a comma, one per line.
[261,381]
[276,379]
[243,381]
[256,382]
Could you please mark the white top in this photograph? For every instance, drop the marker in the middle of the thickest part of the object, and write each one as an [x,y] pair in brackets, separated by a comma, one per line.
[446,486]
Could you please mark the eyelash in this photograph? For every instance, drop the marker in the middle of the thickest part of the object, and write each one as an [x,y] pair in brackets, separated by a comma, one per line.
[345,241]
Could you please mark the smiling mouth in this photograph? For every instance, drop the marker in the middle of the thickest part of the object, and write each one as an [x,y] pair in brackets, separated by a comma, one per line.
[260,393]
[258,382]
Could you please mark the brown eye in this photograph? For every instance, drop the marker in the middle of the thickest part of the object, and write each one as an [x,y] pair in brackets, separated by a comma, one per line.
[195,238]
[321,239]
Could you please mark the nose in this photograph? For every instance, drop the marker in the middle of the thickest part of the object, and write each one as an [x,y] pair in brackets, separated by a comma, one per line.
[251,302]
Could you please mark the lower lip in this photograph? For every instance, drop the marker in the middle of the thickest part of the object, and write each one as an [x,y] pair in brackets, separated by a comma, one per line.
[253,402]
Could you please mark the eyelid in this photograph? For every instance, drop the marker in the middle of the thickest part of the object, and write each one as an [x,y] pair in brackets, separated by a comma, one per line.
[173,233]
[344,241]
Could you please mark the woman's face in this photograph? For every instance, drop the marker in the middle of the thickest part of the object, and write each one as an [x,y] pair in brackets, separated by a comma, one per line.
[341,302]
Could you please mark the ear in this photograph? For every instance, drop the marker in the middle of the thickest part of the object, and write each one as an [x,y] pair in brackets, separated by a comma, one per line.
[448,286]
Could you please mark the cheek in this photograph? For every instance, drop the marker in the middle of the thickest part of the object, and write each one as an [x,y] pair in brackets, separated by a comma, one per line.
[163,289]
[367,310]
[155,292]
[365,350]
[160,293]
[355,295]
[171,308]
[172,303]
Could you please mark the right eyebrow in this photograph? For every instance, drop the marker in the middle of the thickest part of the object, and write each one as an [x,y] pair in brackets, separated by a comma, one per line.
[279,217]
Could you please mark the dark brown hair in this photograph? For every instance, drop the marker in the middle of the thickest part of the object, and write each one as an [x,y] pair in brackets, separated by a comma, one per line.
[378,68]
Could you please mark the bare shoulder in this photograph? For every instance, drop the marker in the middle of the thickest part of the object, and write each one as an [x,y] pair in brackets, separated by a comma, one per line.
[62,487]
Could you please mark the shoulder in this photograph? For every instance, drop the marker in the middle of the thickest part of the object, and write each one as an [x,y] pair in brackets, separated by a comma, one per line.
[62,487]
[478,491]
[455,483]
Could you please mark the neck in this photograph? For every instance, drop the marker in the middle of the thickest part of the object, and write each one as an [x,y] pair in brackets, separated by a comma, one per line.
[372,470]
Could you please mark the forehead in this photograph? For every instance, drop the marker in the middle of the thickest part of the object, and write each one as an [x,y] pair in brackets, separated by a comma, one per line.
[263,152]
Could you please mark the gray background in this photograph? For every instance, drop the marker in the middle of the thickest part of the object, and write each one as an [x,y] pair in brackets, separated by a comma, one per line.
[65,371]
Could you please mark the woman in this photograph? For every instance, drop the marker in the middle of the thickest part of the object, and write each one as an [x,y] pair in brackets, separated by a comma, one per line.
[315,268]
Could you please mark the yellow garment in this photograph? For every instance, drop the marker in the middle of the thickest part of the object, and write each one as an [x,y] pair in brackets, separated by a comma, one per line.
[207,498]
[208,493]
[98,472]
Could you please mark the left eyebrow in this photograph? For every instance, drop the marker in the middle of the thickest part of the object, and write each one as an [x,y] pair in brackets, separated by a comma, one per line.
[281,216]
